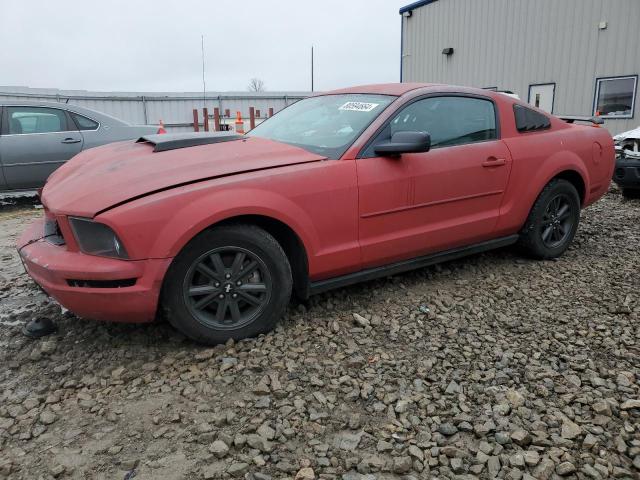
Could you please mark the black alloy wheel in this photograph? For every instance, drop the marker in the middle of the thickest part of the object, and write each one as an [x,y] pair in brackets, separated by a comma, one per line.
[227,288]
[557,222]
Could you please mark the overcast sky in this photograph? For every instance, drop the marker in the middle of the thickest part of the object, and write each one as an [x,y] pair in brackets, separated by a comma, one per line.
[155,45]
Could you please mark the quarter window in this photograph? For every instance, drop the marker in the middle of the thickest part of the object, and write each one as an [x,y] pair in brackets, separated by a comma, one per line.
[84,123]
[36,120]
[449,120]
[528,120]
[615,97]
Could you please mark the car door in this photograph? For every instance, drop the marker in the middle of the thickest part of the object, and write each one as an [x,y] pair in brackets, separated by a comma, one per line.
[34,142]
[3,183]
[422,203]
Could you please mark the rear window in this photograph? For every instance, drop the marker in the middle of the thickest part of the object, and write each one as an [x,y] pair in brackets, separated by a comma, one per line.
[529,120]
[83,123]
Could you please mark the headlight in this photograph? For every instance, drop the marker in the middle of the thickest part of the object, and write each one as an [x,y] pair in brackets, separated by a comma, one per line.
[96,238]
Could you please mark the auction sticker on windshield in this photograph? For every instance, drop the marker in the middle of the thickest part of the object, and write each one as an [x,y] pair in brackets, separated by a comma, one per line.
[358,106]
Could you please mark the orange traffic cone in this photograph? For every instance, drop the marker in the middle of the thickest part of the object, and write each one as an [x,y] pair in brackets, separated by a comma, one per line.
[239,123]
[161,129]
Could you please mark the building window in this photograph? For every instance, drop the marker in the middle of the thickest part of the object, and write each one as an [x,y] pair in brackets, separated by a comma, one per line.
[615,96]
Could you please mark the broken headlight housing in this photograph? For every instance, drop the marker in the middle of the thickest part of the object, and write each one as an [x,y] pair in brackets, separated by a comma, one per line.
[96,238]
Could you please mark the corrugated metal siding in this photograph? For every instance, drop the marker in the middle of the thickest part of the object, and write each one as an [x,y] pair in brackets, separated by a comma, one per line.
[511,44]
[172,108]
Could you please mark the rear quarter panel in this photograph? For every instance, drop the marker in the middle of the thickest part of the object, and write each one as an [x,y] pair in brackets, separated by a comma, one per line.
[539,156]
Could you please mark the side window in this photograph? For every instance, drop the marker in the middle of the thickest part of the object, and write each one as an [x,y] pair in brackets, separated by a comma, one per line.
[83,123]
[35,120]
[449,120]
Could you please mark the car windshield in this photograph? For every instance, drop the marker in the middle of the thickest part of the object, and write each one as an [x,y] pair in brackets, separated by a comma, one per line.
[326,125]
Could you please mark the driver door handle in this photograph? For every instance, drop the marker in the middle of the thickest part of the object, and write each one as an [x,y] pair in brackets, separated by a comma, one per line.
[494,162]
[71,140]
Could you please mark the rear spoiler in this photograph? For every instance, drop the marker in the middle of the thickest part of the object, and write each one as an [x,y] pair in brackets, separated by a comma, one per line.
[570,119]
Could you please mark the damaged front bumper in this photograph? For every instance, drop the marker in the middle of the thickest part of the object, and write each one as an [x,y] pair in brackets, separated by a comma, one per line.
[93,287]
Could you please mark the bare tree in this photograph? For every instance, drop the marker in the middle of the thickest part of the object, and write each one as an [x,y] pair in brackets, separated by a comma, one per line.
[256,85]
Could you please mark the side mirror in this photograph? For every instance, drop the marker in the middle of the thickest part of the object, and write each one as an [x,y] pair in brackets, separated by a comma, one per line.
[405,142]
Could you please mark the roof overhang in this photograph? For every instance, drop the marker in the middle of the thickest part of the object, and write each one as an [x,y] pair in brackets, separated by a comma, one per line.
[415,5]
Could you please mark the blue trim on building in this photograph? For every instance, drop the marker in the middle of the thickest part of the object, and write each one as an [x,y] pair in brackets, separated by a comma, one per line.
[415,5]
[408,8]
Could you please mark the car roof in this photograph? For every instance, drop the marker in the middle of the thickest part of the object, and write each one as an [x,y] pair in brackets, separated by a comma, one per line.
[400,89]
[100,117]
[396,89]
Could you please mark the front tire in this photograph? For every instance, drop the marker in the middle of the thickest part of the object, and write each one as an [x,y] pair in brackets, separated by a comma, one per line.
[232,281]
[552,222]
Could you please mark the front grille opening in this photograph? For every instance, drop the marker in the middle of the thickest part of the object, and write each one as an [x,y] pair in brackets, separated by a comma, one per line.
[52,232]
[127,282]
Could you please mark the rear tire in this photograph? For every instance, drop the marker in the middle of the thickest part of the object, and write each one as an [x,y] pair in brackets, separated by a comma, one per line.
[552,222]
[231,281]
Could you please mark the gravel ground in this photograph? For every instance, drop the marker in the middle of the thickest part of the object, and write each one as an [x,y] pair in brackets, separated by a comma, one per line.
[490,366]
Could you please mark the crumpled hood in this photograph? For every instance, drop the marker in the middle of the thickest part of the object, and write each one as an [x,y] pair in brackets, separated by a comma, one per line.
[632,134]
[102,177]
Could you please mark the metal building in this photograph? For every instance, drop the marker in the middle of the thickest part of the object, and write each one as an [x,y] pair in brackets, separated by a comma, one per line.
[175,109]
[572,57]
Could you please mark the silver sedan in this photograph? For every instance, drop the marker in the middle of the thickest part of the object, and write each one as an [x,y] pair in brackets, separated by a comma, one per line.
[38,137]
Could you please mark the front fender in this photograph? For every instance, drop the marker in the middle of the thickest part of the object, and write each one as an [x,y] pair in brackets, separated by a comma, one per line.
[217,206]
[160,225]
[317,201]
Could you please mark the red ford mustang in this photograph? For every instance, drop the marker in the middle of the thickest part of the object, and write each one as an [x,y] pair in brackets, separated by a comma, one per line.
[217,231]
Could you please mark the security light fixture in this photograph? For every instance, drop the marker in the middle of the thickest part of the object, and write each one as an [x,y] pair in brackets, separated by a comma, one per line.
[407,14]
[448,51]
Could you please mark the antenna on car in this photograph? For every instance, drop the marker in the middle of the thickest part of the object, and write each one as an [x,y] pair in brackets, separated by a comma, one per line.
[204,85]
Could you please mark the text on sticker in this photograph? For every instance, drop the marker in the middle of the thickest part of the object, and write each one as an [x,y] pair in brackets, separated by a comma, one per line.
[358,106]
